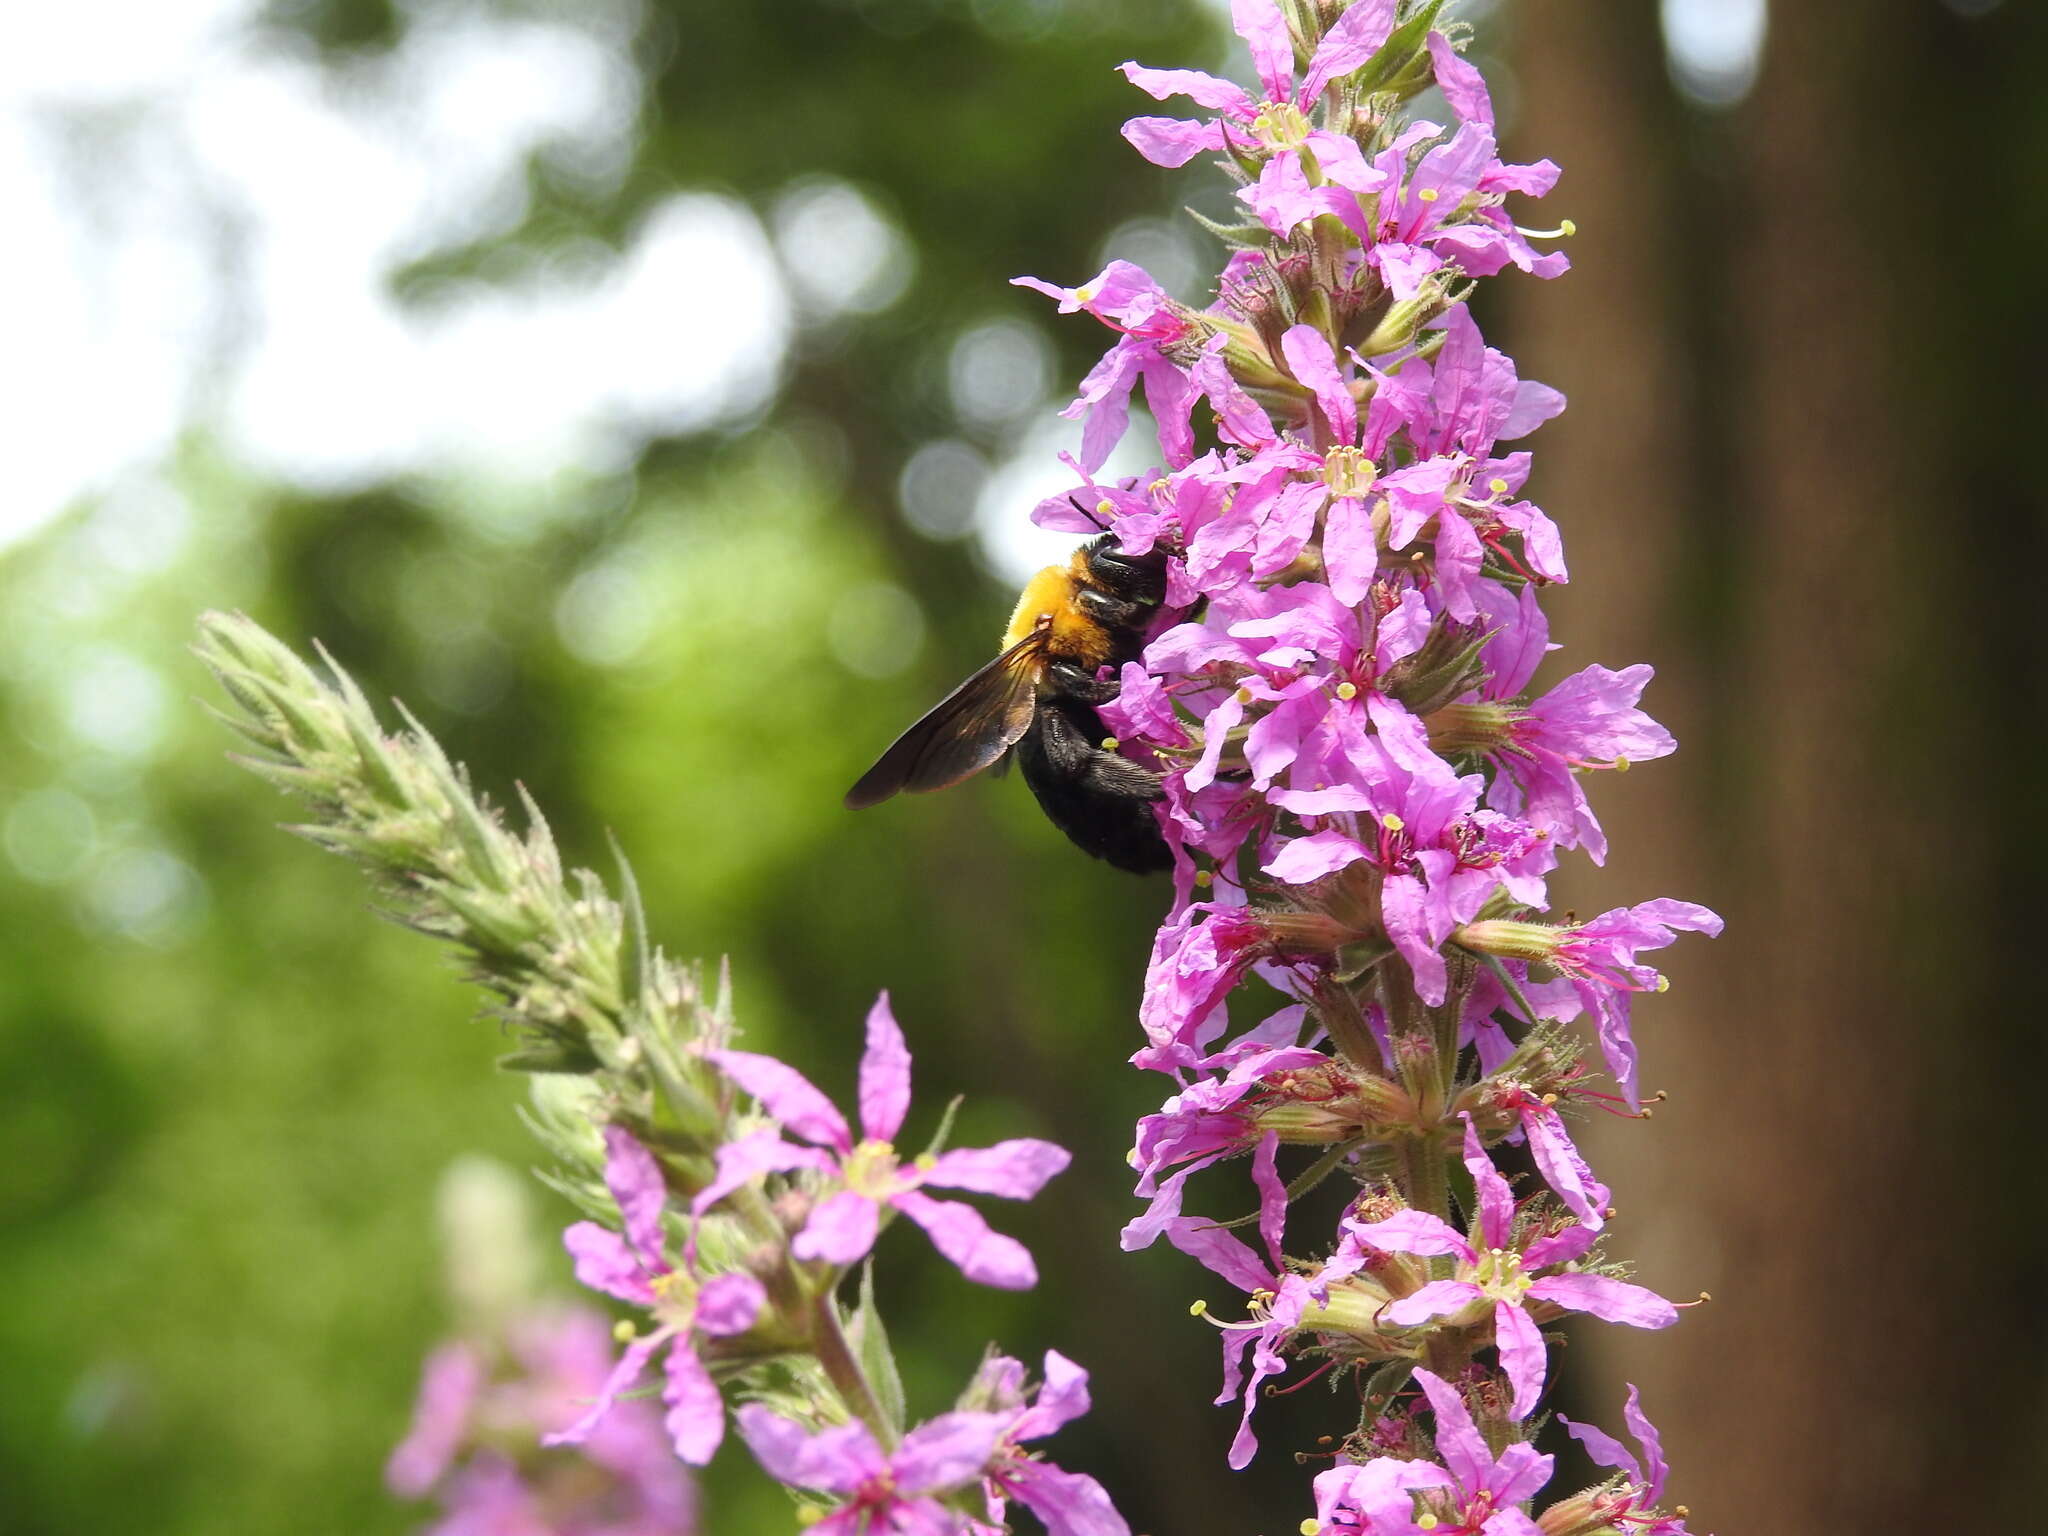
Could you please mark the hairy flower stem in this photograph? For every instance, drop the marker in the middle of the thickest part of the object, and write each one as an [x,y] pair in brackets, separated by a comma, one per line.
[1421,1169]
[842,1367]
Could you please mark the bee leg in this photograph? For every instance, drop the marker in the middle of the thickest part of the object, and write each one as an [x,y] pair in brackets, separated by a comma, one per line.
[1080,684]
[1075,757]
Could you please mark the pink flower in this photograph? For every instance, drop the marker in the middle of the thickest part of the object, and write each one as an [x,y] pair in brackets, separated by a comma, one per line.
[632,1268]
[1632,1506]
[1498,1273]
[841,1228]
[1069,1503]
[897,1492]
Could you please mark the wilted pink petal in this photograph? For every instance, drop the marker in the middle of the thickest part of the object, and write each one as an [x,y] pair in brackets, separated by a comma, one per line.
[1070,1503]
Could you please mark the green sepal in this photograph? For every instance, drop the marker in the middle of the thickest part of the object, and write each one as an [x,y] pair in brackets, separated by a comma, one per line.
[1389,68]
[563,1057]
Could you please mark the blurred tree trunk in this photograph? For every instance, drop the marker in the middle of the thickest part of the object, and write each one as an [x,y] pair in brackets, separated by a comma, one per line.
[1736,479]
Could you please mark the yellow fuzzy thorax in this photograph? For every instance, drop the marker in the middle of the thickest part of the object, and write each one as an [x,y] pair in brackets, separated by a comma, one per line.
[1050,594]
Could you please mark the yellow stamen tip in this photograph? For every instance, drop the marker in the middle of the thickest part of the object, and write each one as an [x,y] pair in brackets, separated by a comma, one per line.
[1084,295]
[1663,983]
[1568,227]
[622,1332]
[1131,1157]
[1621,765]
[1425,1522]
[1347,691]
[1429,194]
[1310,1527]
[1106,507]
[1204,878]
[1498,486]
[1109,743]
[1244,696]
[1199,1309]
[1393,823]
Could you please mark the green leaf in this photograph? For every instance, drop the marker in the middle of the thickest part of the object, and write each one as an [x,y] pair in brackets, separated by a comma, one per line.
[871,1347]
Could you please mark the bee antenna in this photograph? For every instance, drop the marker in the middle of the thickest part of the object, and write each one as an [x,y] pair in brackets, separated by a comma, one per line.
[1087,512]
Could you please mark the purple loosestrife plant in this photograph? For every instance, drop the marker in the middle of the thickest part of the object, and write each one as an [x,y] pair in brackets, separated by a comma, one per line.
[1364,795]
[726,1200]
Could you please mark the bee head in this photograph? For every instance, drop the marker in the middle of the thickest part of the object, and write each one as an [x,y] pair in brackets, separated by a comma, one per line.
[1136,578]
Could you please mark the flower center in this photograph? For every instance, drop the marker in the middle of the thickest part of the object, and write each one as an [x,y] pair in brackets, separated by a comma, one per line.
[1500,1274]
[1280,125]
[1348,472]
[870,1169]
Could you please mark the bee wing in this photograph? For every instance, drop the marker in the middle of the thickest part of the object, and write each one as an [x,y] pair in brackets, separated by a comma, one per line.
[966,731]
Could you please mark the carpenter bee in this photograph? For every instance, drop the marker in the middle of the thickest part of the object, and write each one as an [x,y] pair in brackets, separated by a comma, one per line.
[1038,698]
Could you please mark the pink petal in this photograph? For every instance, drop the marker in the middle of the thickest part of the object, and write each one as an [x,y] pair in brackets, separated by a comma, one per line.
[1312,857]
[1015,1170]
[1463,86]
[634,1178]
[946,1453]
[752,1155]
[1603,1447]
[1415,1232]
[1610,1300]
[1359,34]
[1351,553]
[729,1304]
[1062,1398]
[959,1232]
[836,1460]
[1311,361]
[1439,1298]
[1272,1197]
[1458,1442]
[631,1364]
[1204,90]
[1264,30]
[1221,1253]
[787,1095]
[841,1229]
[695,1420]
[448,1390]
[1520,1344]
[1171,141]
[1496,1200]
[884,1075]
[1653,1470]
[604,1263]
[1069,1503]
